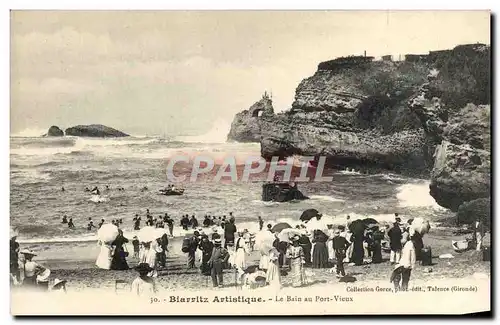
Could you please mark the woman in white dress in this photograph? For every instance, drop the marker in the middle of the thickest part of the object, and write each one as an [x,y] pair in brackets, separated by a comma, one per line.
[273,275]
[240,249]
[105,256]
[148,256]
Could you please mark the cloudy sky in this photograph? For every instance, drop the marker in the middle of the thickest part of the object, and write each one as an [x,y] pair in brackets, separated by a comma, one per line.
[179,72]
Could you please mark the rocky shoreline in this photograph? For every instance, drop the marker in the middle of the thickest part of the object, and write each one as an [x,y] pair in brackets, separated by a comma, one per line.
[92,130]
[426,116]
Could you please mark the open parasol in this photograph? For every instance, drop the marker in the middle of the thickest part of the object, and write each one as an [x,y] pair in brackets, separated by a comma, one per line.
[357,227]
[280,226]
[147,234]
[309,214]
[287,234]
[264,241]
[420,225]
[107,233]
[370,221]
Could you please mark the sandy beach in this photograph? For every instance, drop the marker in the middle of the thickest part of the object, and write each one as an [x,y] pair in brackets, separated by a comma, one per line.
[82,273]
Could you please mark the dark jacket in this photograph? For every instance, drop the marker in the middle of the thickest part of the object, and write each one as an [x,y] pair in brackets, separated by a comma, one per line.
[395,234]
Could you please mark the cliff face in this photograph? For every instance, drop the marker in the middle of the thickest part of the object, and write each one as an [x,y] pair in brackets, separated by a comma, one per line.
[454,108]
[355,112]
[428,115]
[94,130]
[245,126]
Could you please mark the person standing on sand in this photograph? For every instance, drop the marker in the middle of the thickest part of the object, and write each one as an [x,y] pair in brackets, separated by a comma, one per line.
[219,257]
[223,222]
[229,231]
[206,247]
[148,256]
[306,245]
[14,259]
[395,235]
[296,255]
[137,222]
[320,252]
[143,285]
[170,223]
[193,246]
[104,258]
[273,274]
[478,235]
[240,252]
[136,244]
[340,245]
[261,223]
[402,272]
[119,260]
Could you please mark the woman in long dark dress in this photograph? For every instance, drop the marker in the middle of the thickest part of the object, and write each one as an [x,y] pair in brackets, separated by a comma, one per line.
[206,247]
[119,260]
[320,251]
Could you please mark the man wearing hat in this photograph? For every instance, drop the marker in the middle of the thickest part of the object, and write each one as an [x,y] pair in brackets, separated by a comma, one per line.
[219,257]
[143,284]
[394,235]
[31,269]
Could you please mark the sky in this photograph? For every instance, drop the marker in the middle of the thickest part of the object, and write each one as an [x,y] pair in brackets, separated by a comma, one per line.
[182,72]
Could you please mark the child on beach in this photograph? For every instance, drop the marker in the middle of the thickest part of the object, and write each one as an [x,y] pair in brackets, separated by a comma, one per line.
[401,274]
[136,244]
[143,285]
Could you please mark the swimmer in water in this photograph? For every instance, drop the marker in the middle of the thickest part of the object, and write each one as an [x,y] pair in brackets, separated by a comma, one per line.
[64,219]
[62,189]
[107,187]
[71,225]
[87,189]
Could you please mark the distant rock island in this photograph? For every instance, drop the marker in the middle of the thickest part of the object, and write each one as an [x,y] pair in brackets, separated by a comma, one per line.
[427,115]
[92,130]
[54,131]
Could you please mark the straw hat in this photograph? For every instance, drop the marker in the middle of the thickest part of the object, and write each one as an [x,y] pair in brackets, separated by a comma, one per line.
[217,240]
[27,252]
[44,276]
[58,283]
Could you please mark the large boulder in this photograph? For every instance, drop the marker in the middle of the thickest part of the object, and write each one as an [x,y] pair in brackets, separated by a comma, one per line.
[454,108]
[469,212]
[55,131]
[246,126]
[95,131]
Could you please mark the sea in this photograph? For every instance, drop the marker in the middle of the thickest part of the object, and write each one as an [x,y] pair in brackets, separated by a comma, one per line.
[41,166]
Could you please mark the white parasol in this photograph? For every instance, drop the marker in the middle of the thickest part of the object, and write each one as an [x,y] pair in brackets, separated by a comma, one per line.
[107,233]
[147,234]
[287,234]
[264,241]
[160,232]
[419,225]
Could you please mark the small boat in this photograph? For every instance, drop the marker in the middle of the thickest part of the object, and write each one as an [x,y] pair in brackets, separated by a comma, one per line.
[172,192]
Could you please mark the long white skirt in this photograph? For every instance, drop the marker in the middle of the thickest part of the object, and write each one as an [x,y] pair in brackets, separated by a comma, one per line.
[331,252]
[104,258]
[264,262]
[239,259]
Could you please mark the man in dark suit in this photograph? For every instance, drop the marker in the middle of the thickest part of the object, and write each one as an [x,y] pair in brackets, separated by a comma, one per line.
[395,235]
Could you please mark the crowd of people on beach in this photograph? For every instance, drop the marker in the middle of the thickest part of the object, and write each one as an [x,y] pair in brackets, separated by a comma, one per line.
[351,243]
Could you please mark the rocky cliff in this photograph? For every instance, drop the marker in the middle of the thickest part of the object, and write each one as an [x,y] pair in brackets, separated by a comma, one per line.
[354,111]
[94,130]
[245,126]
[454,108]
[427,115]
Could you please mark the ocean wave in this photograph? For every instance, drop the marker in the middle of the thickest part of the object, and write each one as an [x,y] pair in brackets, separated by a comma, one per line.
[326,198]
[30,133]
[416,195]
[217,134]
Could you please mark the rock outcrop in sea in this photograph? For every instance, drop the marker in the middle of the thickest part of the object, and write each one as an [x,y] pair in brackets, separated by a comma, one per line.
[426,116]
[95,131]
[55,131]
[245,126]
